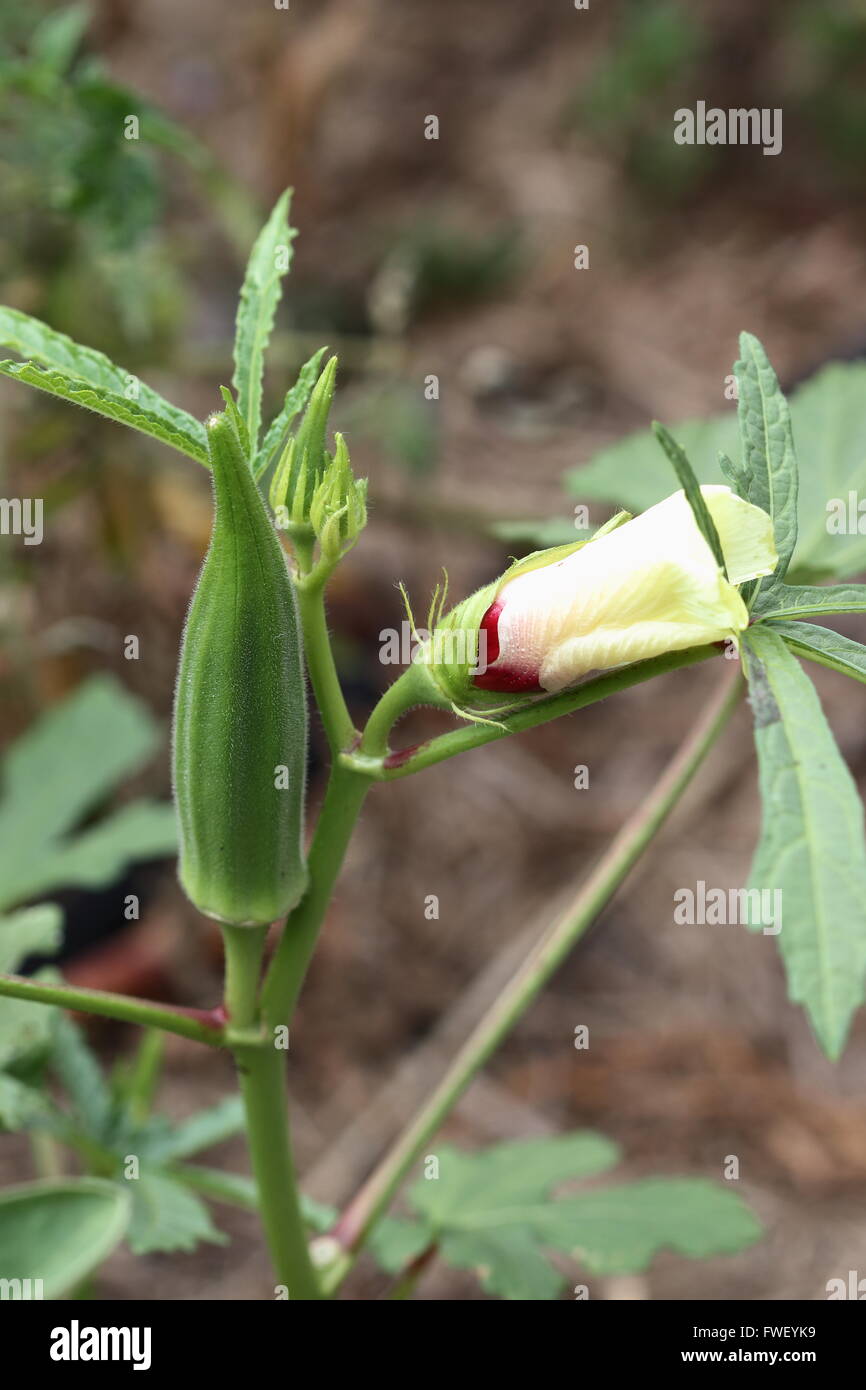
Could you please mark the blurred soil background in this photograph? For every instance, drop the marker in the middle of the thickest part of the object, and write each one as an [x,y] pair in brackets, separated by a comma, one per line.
[455,258]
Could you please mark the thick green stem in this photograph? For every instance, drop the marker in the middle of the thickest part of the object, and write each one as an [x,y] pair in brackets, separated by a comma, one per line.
[198,1024]
[529,979]
[342,806]
[244,948]
[261,1075]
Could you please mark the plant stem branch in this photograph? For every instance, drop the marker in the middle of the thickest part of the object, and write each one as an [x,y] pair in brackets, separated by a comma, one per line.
[532,975]
[341,732]
[262,1080]
[261,1075]
[199,1024]
[244,948]
[344,798]
[373,759]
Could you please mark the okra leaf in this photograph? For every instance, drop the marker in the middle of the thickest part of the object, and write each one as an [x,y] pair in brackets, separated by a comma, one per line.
[201,1131]
[394,1241]
[57,1232]
[85,1088]
[167,1216]
[96,857]
[493,1212]
[122,411]
[694,496]
[80,374]
[827,648]
[30,931]
[811,848]
[260,293]
[809,600]
[508,1260]
[20,1104]
[26,1027]
[516,1171]
[618,1230]
[296,400]
[59,771]
[237,1190]
[769,460]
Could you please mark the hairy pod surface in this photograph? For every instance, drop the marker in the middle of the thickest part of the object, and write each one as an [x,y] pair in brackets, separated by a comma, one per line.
[240,717]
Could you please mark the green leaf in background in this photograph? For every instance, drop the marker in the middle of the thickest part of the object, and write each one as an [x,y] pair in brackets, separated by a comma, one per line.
[237,1190]
[140,831]
[633,473]
[476,1209]
[809,600]
[31,931]
[541,534]
[56,38]
[113,407]
[167,1216]
[20,1105]
[812,847]
[202,1131]
[60,1231]
[61,769]
[828,418]
[827,648]
[691,487]
[83,1082]
[516,1171]
[260,293]
[508,1260]
[493,1212]
[769,470]
[296,400]
[25,1027]
[64,368]
[618,1230]
[395,1241]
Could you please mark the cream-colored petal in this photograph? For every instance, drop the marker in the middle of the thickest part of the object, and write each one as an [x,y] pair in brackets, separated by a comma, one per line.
[648,587]
[745,531]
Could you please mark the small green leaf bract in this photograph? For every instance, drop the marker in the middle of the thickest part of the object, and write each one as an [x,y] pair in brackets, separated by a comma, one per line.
[295,401]
[694,496]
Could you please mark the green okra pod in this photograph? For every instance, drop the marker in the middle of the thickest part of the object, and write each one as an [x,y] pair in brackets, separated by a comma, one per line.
[240,718]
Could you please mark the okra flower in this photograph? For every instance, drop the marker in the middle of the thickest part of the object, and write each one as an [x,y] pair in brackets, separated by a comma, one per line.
[640,587]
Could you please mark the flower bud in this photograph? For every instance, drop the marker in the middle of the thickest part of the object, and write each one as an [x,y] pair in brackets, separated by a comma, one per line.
[338,511]
[240,719]
[304,460]
[639,587]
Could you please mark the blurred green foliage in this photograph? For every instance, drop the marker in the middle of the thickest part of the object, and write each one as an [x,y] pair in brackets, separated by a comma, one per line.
[830,75]
[84,189]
